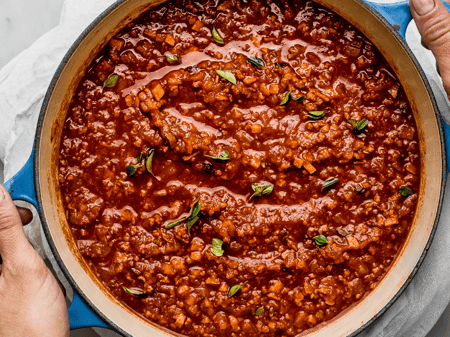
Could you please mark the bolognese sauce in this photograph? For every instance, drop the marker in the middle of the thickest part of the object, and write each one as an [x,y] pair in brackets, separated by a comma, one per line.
[239,168]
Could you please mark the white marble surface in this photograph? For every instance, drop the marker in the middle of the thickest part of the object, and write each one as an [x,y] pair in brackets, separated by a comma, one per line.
[21,23]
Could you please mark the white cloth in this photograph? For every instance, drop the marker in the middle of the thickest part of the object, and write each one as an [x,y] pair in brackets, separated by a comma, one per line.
[24,81]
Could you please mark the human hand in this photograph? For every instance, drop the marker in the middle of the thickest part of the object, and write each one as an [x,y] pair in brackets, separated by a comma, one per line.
[31,301]
[433,23]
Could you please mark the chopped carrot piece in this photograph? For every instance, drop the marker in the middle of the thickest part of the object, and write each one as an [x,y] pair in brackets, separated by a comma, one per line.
[298,162]
[170,40]
[274,88]
[117,44]
[198,25]
[158,92]
[308,166]
[249,80]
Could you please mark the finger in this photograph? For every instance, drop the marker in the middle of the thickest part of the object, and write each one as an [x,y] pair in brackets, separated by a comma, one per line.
[433,23]
[424,44]
[25,215]
[14,245]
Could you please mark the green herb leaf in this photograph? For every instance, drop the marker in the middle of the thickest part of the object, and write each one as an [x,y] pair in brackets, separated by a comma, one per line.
[321,240]
[256,61]
[329,182]
[217,252]
[361,124]
[175,223]
[259,311]
[217,36]
[224,156]
[280,65]
[233,290]
[111,81]
[135,292]
[264,164]
[131,170]
[191,219]
[405,191]
[287,99]
[260,190]
[193,215]
[217,243]
[191,222]
[301,99]
[358,126]
[149,161]
[139,158]
[227,75]
[316,115]
[267,190]
[172,58]
[195,209]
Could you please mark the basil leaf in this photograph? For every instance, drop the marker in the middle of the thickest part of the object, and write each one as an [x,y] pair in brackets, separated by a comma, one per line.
[111,81]
[191,222]
[227,75]
[233,290]
[300,99]
[329,182]
[316,115]
[280,65]
[217,252]
[131,170]
[191,219]
[195,209]
[217,243]
[361,124]
[320,240]
[263,164]
[267,190]
[139,158]
[256,61]
[172,58]
[259,311]
[175,223]
[358,126]
[260,191]
[405,191]
[287,99]
[135,292]
[223,156]
[149,161]
[217,36]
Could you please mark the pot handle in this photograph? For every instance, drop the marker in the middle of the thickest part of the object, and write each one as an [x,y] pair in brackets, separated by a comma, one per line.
[399,15]
[82,316]
[21,187]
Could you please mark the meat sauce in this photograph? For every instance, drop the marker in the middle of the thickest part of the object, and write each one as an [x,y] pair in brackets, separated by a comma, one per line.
[239,168]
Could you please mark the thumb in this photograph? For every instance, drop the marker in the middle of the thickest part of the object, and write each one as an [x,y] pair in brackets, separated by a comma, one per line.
[433,23]
[14,245]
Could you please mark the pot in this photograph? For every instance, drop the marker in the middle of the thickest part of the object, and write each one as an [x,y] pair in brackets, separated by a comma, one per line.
[38,183]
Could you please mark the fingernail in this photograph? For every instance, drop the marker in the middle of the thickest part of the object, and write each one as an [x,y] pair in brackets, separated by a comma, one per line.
[2,196]
[423,7]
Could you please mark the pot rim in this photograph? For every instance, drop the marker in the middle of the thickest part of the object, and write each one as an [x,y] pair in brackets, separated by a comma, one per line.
[52,86]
